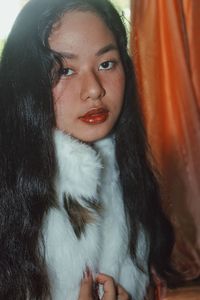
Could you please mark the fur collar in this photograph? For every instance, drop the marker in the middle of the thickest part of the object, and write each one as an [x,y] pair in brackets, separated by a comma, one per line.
[79,167]
[88,228]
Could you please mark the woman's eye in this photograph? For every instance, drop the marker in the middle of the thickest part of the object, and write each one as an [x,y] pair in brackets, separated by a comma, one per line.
[66,72]
[107,65]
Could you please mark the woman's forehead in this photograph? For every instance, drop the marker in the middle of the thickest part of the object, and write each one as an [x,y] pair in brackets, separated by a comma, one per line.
[79,29]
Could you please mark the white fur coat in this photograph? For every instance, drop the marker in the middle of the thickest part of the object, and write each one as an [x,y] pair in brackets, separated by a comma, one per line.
[88,178]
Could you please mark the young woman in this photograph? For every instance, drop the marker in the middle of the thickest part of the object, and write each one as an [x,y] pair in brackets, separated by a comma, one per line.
[77,190]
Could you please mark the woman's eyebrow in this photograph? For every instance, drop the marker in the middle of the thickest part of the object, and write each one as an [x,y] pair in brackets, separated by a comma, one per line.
[107,48]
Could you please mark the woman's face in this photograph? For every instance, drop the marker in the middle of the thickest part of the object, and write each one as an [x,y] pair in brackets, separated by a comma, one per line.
[89,94]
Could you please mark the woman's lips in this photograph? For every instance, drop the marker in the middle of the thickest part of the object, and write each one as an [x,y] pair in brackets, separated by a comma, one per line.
[95,116]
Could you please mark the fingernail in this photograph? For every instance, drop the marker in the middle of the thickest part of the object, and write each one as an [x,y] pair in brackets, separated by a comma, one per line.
[86,273]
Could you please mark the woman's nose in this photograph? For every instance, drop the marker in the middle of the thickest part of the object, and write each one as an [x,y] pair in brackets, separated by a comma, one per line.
[91,87]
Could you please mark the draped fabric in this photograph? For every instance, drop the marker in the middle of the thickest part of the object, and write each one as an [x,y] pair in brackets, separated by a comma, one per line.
[165,44]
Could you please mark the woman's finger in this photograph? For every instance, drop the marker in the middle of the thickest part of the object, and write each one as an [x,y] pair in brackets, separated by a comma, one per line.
[86,289]
[109,287]
[122,293]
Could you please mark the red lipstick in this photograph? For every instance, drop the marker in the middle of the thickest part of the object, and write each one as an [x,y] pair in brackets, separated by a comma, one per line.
[95,116]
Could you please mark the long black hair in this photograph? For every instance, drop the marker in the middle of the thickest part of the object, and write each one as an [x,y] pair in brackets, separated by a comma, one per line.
[27,164]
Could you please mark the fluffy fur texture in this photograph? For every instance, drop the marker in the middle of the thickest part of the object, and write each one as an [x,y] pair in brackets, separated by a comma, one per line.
[90,173]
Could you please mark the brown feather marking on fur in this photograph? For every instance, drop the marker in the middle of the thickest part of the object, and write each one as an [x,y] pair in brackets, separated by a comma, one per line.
[94,205]
[80,216]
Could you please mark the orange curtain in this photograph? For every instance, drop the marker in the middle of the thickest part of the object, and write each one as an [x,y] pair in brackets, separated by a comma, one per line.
[165,45]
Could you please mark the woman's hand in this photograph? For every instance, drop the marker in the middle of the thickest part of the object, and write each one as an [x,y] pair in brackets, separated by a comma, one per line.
[111,290]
